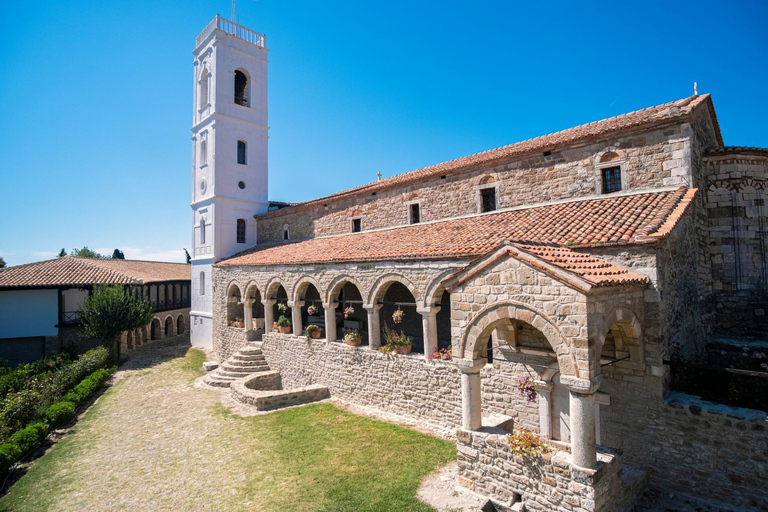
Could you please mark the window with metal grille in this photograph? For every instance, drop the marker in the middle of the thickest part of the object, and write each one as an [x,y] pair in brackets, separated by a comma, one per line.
[241,231]
[357,225]
[611,180]
[488,196]
[415,213]
[241,152]
[241,88]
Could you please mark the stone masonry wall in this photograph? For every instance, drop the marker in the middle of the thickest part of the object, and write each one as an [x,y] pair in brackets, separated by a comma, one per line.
[737,219]
[549,483]
[651,159]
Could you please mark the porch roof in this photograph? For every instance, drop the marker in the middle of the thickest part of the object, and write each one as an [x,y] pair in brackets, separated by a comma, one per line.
[618,220]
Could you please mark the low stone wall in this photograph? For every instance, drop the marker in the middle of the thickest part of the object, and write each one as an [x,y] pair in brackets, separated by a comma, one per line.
[548,483]
[407,385]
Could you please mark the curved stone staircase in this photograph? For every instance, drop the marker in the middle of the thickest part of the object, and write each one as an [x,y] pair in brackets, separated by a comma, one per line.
[246,361]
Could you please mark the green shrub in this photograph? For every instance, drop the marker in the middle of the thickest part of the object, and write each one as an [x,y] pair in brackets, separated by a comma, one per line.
[9,454]
[30,437]
[74,397]
[60,413]
[18,409]
[283,321]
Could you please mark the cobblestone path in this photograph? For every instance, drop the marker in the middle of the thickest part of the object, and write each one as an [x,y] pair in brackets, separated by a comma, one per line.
[154,442]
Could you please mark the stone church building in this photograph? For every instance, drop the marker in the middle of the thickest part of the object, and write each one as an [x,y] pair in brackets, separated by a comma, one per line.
[587,261]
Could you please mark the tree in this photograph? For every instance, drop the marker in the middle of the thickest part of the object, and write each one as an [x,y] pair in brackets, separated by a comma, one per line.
[85,252]
[117,254]
[110,310]
[189,258]
[2,262]
[62,253]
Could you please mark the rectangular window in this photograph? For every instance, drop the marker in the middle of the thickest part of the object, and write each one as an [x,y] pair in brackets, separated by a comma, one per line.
[241,231]
[488,196]
[357,225]
[611,180]
[415,213]
[241,152]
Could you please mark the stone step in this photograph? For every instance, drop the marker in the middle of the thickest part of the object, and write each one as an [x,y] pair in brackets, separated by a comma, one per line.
[244,368]
[248,357]
[245,362]
[217,380]
[250,350]
[240,375]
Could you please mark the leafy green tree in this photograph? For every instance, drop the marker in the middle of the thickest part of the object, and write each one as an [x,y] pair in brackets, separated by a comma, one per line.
[110,310]
[2,262]
[62,253]
[117,254]
[85,252]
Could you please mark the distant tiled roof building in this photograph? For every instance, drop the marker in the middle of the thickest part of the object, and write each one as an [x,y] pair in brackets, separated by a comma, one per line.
[40,302]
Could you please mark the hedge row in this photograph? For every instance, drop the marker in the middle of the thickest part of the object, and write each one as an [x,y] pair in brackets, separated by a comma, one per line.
[25,440]
[30,400]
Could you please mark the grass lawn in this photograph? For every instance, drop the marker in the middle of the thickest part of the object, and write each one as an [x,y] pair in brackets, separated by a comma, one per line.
[153,442]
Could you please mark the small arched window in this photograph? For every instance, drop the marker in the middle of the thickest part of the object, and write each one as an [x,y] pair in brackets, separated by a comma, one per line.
[286,234]
[205,77]
[241,231]
[241,88]
[241,152]
[202,283]
[202,231]
[203,153]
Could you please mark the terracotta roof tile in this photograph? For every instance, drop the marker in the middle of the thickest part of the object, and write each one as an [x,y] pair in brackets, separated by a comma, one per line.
[736,150]
[613,220]
[641,118]
[589,268]
[73,271]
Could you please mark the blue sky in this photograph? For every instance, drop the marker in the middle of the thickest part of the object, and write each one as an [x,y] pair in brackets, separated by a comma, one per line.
[96,97]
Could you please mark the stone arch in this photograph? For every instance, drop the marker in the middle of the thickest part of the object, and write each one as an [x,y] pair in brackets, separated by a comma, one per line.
[624,329]
[337,284]
[301,285]
[609,156]
[485,179]
[487,319]
[271,289]
[156,329]
[379,288]
[234,303]
[250,287]
[435,289]
[168,327]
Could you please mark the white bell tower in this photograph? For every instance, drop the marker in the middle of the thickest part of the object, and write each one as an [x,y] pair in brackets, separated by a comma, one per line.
[229,155]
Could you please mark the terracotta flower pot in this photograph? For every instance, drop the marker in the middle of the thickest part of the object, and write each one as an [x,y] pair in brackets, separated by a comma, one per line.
[285,330]
[403,349]
[356,342]
[315,334]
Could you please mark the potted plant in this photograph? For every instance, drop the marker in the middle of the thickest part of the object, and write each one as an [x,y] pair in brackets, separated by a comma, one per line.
[312,310]
[352,337]
[313,331]
[282,307]
[398,343]
[284,324]
[238,322]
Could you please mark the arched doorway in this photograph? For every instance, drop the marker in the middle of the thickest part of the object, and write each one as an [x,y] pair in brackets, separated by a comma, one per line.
[398,315]
[155,329]
[180,325]
[168,327]
[235,313]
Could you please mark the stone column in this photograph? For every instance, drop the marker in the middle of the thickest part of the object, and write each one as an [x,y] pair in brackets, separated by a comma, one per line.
[330,320]
[296,316]
[248,314]
[429,328]
[374,326]
[269,314]
[544,390]
[582,405]
[471,399]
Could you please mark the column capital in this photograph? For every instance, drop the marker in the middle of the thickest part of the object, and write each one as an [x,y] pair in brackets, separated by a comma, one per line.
[469,365]
[372,307]
[428,311]
[269,302]
[542,386]
[581,386]
[295,303]
[330,305]
[249,302]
